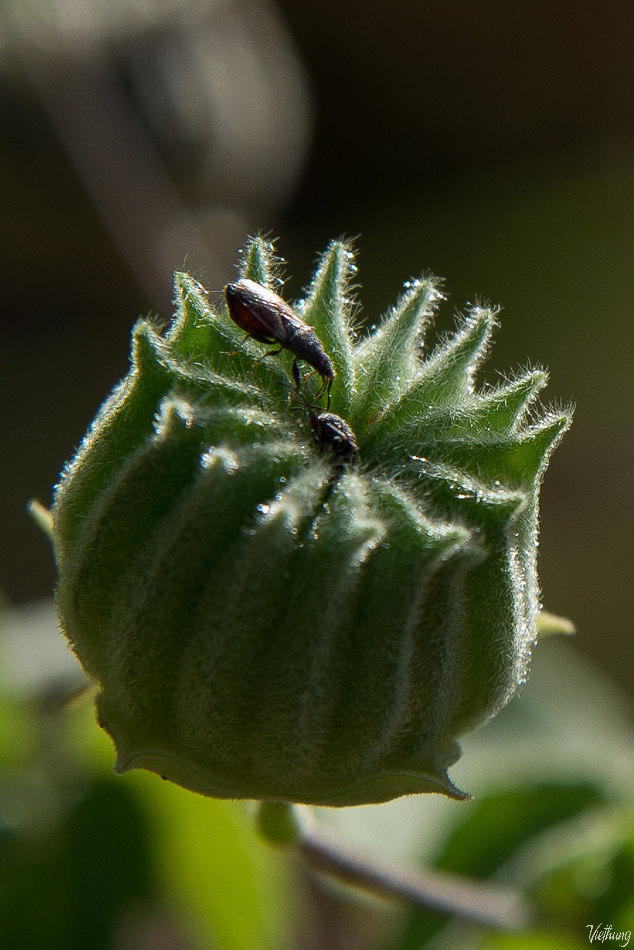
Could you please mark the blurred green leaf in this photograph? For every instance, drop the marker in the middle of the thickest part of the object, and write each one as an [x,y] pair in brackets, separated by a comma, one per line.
[89,850]
[216,870]
[107,838]
[501,823]
[489,837]
[220,879]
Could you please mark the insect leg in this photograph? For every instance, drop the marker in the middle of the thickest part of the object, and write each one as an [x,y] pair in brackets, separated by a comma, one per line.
[326,386]
[235,352]
[270,353]
[296,375]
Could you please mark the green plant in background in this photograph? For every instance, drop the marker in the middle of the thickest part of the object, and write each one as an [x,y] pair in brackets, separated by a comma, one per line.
[104,858]
[265,621]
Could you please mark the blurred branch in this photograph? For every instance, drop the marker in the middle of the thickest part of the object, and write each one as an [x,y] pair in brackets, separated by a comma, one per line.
[478,902]
[113,156]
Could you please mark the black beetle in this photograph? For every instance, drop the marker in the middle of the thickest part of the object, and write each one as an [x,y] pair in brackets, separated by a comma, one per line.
[333,435]
[269,319]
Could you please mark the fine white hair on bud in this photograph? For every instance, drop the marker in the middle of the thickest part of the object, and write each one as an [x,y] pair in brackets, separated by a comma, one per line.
[286,600]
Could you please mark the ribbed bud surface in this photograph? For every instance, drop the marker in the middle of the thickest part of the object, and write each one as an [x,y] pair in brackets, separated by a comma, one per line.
[265,620]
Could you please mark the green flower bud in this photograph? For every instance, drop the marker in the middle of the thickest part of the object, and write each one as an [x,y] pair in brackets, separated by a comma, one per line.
[284,608]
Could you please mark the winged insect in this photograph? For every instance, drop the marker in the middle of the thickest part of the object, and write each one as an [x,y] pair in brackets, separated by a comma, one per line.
[263,315]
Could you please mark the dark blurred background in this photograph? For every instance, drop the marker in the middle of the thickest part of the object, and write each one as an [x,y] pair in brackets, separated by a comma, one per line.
[488,142]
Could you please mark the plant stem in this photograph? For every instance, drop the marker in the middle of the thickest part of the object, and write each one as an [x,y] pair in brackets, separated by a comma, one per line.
[478,902]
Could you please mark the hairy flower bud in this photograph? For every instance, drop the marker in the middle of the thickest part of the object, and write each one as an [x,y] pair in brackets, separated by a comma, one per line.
[285,605]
